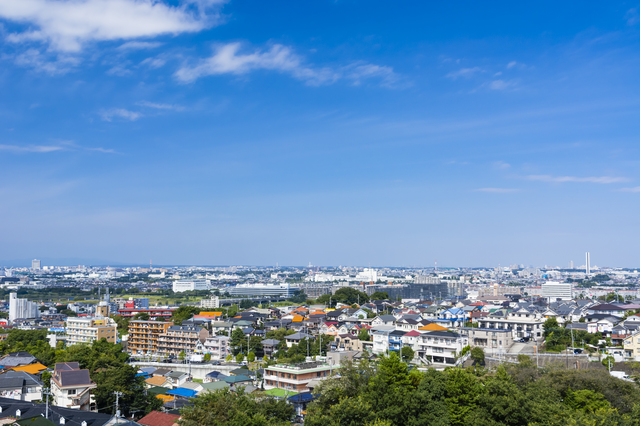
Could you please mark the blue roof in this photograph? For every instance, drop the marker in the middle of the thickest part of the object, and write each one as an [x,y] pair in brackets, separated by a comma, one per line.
[143,374]
[302,397]
[187,393]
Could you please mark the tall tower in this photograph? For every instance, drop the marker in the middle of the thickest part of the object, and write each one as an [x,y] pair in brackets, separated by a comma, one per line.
[588,263]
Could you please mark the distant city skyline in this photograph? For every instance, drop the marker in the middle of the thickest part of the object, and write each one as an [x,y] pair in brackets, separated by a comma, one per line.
[205,132]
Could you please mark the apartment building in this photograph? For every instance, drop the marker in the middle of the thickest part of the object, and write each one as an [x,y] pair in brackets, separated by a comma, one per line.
[488,338]
[217,346]
[90,329]
[143,336]
[521,323]
[181,338]
[295,377]
[71,387]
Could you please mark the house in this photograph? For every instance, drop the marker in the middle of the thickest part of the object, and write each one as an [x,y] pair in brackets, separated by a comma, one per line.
[26,413]
[395,340]
[217,346]
[177,378]
[380,337]
[269,346]
[296,338]
[159,381]
[608,308]
[383,320]
[157,418]
[16,359]
[20,385]
[214,376]
[440,347]
[488,338]
[71,387]
[632,347]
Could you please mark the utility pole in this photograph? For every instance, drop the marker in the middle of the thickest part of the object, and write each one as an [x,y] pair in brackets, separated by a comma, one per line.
[118,395]
[47,392]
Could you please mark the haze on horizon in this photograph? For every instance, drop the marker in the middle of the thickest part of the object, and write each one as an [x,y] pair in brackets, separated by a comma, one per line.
[214,132]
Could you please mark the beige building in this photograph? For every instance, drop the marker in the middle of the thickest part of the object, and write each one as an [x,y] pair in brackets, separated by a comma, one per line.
[632,347]
[89,329]
[295,377]
[143,335]
[181,338]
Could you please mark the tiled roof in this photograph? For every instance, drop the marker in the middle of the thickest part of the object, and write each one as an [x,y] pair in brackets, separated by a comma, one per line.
[156,418]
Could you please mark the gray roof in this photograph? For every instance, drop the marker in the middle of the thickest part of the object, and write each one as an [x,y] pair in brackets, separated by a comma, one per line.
[270,342]
[299,336]
[17,379]
[176,374]
[75,378]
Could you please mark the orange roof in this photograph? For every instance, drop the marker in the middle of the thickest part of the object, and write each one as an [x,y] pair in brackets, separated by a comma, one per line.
[156,380]
[211,314]
[31,368]
[165,398]
[297,318]
[433,327]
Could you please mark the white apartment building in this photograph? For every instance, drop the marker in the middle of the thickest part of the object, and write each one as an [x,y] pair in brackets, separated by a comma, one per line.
[36,264]
[283,290]
[90,329]
[521,323]
[217,346]
[212,303]
[441,347]
[553,290]
[21,308]
[190,285]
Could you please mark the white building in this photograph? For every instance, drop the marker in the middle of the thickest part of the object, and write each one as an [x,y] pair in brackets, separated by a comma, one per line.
[553,290]
[190,285]
[368,274]
[21,308]
[283,290]
[217,346]
[212,303]
[71,387]
[36,264]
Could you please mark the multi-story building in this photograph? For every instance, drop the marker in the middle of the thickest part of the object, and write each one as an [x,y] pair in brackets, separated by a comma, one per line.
[213,302]
[521,323]
[283,290]
[143,335]
[295,377]
[90,329]
[554,290]
[181,338]
[71,387]
[491,339]
[22,308]
[36,264]
[632,347]
[154,313]
[217,346]
[441,346]
[190,285]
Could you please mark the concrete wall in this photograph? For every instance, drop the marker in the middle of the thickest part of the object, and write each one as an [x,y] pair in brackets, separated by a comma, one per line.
[198,371]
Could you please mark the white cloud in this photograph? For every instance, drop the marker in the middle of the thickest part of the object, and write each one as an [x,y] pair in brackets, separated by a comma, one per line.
[511,64]
[68,24]
[110,114]
[501,84]
[156,62]
[464,72]
[634,189]
[31,148]
[137,45]
[160,106]
[498,190]
[563,179]
[50,64]
[501,165]
[227,59]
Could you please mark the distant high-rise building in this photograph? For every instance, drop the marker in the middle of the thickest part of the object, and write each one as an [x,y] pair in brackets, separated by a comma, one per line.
[571,265]
[35,264]
[21,308]
[587,264]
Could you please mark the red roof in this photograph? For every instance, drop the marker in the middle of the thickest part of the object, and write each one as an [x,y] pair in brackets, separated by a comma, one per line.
[478,304]
[413,333]
[156,418]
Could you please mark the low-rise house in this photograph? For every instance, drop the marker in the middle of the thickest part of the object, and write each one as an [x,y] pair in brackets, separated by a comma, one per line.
[177,378]
[20,385]
[632,347]
[488,338]
[71,387]
[383,320]
[440,347]
[157,418]
[269,346]
[294,339]
[380,338]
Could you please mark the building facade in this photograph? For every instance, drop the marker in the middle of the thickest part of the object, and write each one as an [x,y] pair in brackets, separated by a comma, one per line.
[554,290]
[190,285]
[22,308]
[212,303]
[143,336]
[71,387]
[181,338]
[217,346]
[282,290]
[295,377]
[90,329]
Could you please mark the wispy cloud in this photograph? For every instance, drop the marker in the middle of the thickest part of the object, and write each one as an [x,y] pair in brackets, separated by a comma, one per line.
[138,45]
[464,72]
[31,148]
[227,59]
[632,16]
[498,190]
[66,25]
[47,63]
[160,106]
[501,165]
[564,179]
[634,189]
[501,84]
[155,62]
[110,114]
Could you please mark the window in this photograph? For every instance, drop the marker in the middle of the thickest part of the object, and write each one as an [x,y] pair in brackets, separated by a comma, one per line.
[71,392]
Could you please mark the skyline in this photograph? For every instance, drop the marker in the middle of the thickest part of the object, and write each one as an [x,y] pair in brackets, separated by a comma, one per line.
[212,132]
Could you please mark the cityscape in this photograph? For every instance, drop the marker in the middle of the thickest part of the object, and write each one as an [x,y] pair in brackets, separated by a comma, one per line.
[326,213]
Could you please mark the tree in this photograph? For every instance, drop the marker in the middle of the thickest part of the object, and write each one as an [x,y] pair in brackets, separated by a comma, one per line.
[549,325]
[477,355]
[407,353]
[380,295]
[238,339]
[251,357]
[143,316]
[182,356]
[239,357]
[363,335]
[183,313]
[229,358]
[207,357]
[298,297]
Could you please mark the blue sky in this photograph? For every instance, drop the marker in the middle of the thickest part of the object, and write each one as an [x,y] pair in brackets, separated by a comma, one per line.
[331,132]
